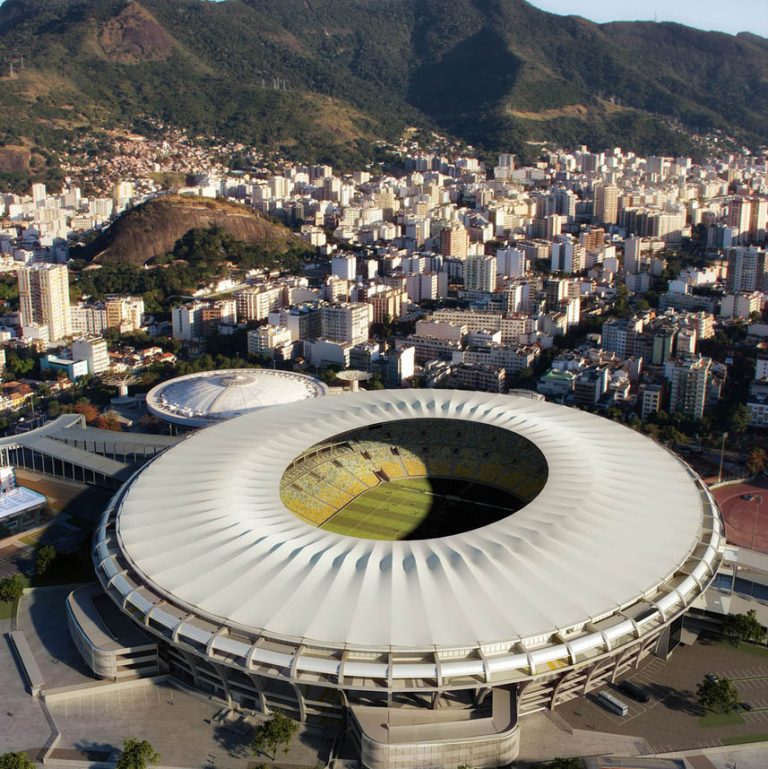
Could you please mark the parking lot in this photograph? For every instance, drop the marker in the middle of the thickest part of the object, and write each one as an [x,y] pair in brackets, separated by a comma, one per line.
[672,719]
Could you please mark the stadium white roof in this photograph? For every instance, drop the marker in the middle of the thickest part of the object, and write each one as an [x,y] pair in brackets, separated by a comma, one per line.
[198,400]
[614,525]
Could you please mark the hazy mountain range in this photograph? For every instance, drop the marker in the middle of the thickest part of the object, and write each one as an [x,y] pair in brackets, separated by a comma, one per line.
[326,78]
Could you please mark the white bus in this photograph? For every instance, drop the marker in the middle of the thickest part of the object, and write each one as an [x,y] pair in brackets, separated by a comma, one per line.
[612,703]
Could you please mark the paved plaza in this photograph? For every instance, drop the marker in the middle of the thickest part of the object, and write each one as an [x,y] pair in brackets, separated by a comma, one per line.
[98,722]
[94,719]
[42,616]
[22,723]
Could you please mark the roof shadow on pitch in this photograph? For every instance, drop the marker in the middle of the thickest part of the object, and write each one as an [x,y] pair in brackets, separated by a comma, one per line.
[414,479]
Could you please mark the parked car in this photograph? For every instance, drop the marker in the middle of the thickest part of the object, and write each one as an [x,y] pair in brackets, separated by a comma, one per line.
[614,704]
[634,691]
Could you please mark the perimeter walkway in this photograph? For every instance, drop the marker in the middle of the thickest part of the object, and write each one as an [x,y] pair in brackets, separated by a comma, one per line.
[67,448]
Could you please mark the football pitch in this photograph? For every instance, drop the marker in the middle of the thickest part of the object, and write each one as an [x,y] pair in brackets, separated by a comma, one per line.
[421,508]
[388,511]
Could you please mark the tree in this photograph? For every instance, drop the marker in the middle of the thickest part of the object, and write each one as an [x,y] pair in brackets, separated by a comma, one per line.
[46,555]
[739,418]
[743,627]
[11,588]
[717,694]
[375,383]
[621,306]
[757,461]
[18,365]
[137,754]
[108,421]
[16,761]
[613,414]
[272,734]
[87,409]
[562,763]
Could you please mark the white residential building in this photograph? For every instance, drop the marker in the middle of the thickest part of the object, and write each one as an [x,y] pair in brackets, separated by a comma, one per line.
[266,339]
[344,266]
[480,273]
[94,351]
[346,322]
[44,299]
[256,302]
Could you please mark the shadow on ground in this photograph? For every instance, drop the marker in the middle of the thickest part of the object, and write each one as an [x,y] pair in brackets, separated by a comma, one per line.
[91,751]
[234,738]
[684,701]
[47,613]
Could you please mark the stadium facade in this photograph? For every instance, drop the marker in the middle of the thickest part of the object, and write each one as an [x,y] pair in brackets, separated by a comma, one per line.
[434,648]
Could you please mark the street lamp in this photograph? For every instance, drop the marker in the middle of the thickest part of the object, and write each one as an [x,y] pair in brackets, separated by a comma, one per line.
[757,500]
[722,452]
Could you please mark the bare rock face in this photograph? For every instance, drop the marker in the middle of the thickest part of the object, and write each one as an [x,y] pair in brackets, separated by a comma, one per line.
[153,228]
[135,36]
[14,159]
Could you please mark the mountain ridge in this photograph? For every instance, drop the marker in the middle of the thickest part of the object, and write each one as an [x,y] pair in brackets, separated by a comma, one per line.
[495,73]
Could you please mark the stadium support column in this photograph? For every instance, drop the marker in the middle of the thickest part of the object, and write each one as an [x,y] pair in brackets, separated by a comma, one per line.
[263,707]
[191,661]
[482,694]
[588,680]
[296,690]
[620,660]
[568,676]
[221,671]
[300,700]
[643,647]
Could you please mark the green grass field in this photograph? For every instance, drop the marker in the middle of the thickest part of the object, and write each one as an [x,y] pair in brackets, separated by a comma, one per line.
[743,740]
[421,508]
[720,719]
[389,511]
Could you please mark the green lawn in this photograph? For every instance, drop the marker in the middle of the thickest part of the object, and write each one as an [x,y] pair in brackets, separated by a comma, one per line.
[744,739]
[721,719]
[6,610]
[388,511]
[758,651]
[750,648]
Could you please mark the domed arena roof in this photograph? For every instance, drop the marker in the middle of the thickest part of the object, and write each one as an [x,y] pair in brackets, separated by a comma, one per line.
[209,397]
[622,535]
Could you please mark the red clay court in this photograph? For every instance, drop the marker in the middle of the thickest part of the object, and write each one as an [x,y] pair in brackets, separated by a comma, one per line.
[746,520]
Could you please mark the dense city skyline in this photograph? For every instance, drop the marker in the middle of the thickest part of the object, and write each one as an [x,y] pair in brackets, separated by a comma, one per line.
[383,384]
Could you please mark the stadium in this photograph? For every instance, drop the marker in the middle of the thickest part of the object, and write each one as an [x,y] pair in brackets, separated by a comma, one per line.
[431,565]
[208,397]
